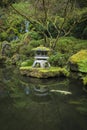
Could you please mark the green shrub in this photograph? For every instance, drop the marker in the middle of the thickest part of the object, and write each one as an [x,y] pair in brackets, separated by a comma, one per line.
[26,50]
[27,63]
[66,44]
[3,36]
[58,59]
[70,45]
[36,43]
[34,35]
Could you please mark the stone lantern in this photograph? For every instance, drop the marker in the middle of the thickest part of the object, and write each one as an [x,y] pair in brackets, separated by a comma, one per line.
[41,57]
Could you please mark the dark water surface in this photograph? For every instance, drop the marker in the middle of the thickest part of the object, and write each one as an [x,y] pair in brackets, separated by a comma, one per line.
[36,104]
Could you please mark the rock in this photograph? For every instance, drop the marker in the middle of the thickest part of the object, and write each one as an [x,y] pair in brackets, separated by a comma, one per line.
[78,62]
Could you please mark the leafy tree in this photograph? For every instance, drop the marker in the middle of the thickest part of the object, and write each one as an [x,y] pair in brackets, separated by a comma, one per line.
[45,16]
[50,18]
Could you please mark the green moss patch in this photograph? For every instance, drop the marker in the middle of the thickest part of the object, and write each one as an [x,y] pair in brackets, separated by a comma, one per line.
[78,61]
[44,73]
[41,48]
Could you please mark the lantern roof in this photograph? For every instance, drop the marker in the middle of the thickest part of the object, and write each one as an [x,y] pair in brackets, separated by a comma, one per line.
[41,48]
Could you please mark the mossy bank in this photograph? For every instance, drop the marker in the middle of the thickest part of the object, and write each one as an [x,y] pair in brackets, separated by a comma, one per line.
[44,73]
[78,63]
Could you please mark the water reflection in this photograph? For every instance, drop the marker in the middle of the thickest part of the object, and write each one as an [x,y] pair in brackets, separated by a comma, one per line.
[27,90]
[30,104]
[41,90]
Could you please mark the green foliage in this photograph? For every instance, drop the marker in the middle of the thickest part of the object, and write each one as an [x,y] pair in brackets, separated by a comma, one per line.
[26,50]
[83,66]
[66,47]
[12,33]
[80,59]
[58,59]
[14,19]
[70,45]
[12,24]
[85,80]
[24,7]
[81,23]
[79,30]
[15,46]
[34,35]
[80,44]
[36,43]
[3,36]
[27,63]
[66,44]
[52,29]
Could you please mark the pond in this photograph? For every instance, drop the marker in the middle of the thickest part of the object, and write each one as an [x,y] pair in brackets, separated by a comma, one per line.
[41,104]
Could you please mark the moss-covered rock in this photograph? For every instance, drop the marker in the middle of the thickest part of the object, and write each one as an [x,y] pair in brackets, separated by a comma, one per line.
[44,73]
[78,62]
